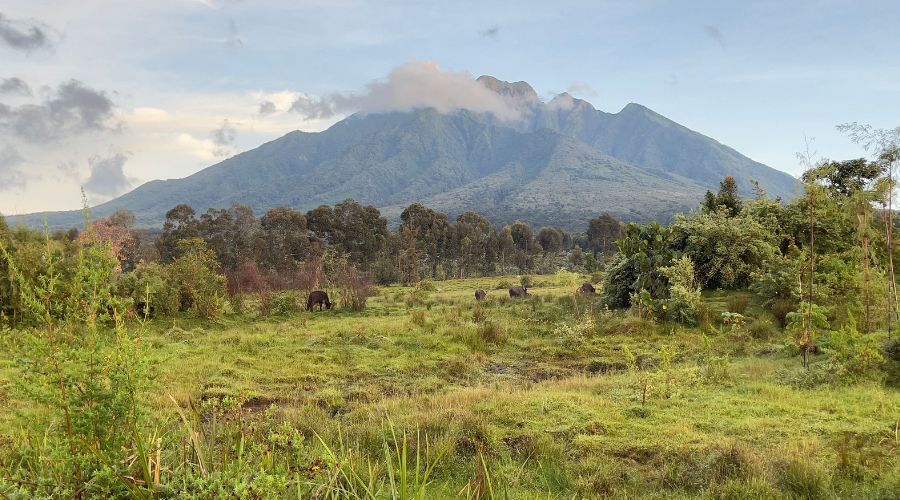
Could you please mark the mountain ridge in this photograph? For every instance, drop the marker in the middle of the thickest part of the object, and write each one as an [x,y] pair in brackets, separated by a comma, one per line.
[562,164]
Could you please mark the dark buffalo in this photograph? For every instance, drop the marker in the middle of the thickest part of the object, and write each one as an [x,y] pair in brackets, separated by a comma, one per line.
[587,289]
[518,292]
[480,295]
[317,298]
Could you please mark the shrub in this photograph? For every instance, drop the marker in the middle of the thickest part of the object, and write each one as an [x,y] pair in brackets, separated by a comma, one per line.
[418,318]
[150,280]
[684,293]
[526,281]
[426,285]
[355,289]
[503,285]
[762,329]
[851,356]
[491,333]
[200,288]
[285,303]
[803,480]
[478,314]
[738,304]
[618,279]
[780,308]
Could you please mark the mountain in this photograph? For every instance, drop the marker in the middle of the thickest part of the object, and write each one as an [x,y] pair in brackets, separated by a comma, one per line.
[562,164]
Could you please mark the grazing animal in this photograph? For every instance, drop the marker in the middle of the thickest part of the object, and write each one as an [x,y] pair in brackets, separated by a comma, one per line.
[480,295]
[317,298]
[518,292]
[587,289]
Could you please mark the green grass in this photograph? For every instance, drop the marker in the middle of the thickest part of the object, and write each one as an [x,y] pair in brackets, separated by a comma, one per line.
[533,400]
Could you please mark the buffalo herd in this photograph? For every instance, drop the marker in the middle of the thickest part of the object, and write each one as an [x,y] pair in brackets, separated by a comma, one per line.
[320,298]
[521,292]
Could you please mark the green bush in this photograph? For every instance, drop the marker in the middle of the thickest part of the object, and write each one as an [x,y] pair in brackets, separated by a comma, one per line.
[617,281]
[284,303]
[426,285]
[762,329]
[150,288]
[684,294]
[780,308]
[194,274]
[802,479]
[852,356]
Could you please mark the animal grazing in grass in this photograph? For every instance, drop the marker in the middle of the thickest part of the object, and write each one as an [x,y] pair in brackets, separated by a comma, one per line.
[518,292]
[317,298]
[480,295]
[587,289]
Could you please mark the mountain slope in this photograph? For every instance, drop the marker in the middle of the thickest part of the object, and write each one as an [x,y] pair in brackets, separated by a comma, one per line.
[643,137]
[564,163]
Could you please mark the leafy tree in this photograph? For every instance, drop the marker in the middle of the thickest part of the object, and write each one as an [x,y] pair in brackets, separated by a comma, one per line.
[845,178]
[648,249]
[602,234]
[433,232]
[552,240]
[726,249]
[360,232]
[726,198]
[181,224]
[285,238]
[476,238]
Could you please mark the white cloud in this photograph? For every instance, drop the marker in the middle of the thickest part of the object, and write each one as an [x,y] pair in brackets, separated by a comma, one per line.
[413,86]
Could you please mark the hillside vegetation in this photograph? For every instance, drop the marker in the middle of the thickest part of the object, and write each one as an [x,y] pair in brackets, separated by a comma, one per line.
[746,350]
[561,164]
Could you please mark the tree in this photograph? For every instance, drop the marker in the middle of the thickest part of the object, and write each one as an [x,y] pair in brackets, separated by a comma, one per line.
[115,234]
[181,224]
[285,238]
[728,196]
[433,232]
[361,232]
[845,178]
[522,235]
[602,234]
[552,240]
[475,236]
[726,250]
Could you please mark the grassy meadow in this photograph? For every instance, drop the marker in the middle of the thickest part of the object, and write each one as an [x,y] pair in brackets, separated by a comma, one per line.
[429,394]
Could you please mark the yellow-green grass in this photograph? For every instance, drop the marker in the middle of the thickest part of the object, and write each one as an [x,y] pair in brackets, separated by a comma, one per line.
[539,393]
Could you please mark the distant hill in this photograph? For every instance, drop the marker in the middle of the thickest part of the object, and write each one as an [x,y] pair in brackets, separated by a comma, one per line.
[563,164]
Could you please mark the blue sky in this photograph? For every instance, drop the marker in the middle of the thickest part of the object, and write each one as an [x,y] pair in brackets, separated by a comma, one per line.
[184,78]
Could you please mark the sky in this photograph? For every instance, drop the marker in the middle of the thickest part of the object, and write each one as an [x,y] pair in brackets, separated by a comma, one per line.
[104,95]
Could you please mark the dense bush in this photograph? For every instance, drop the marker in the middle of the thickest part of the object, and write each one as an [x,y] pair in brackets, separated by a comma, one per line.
[684,294]
[199,286]
[726,249]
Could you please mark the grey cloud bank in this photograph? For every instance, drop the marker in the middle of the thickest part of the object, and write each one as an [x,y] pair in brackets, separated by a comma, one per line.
[14,85]
[72,109]
[23,35]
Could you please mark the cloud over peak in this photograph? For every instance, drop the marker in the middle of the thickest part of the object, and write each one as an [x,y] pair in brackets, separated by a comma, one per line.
[414,86]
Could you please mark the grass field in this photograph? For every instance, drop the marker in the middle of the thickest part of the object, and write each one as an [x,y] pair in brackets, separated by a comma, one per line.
[548,397]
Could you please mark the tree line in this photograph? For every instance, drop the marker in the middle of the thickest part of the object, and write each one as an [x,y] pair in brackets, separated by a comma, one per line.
[290,249]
